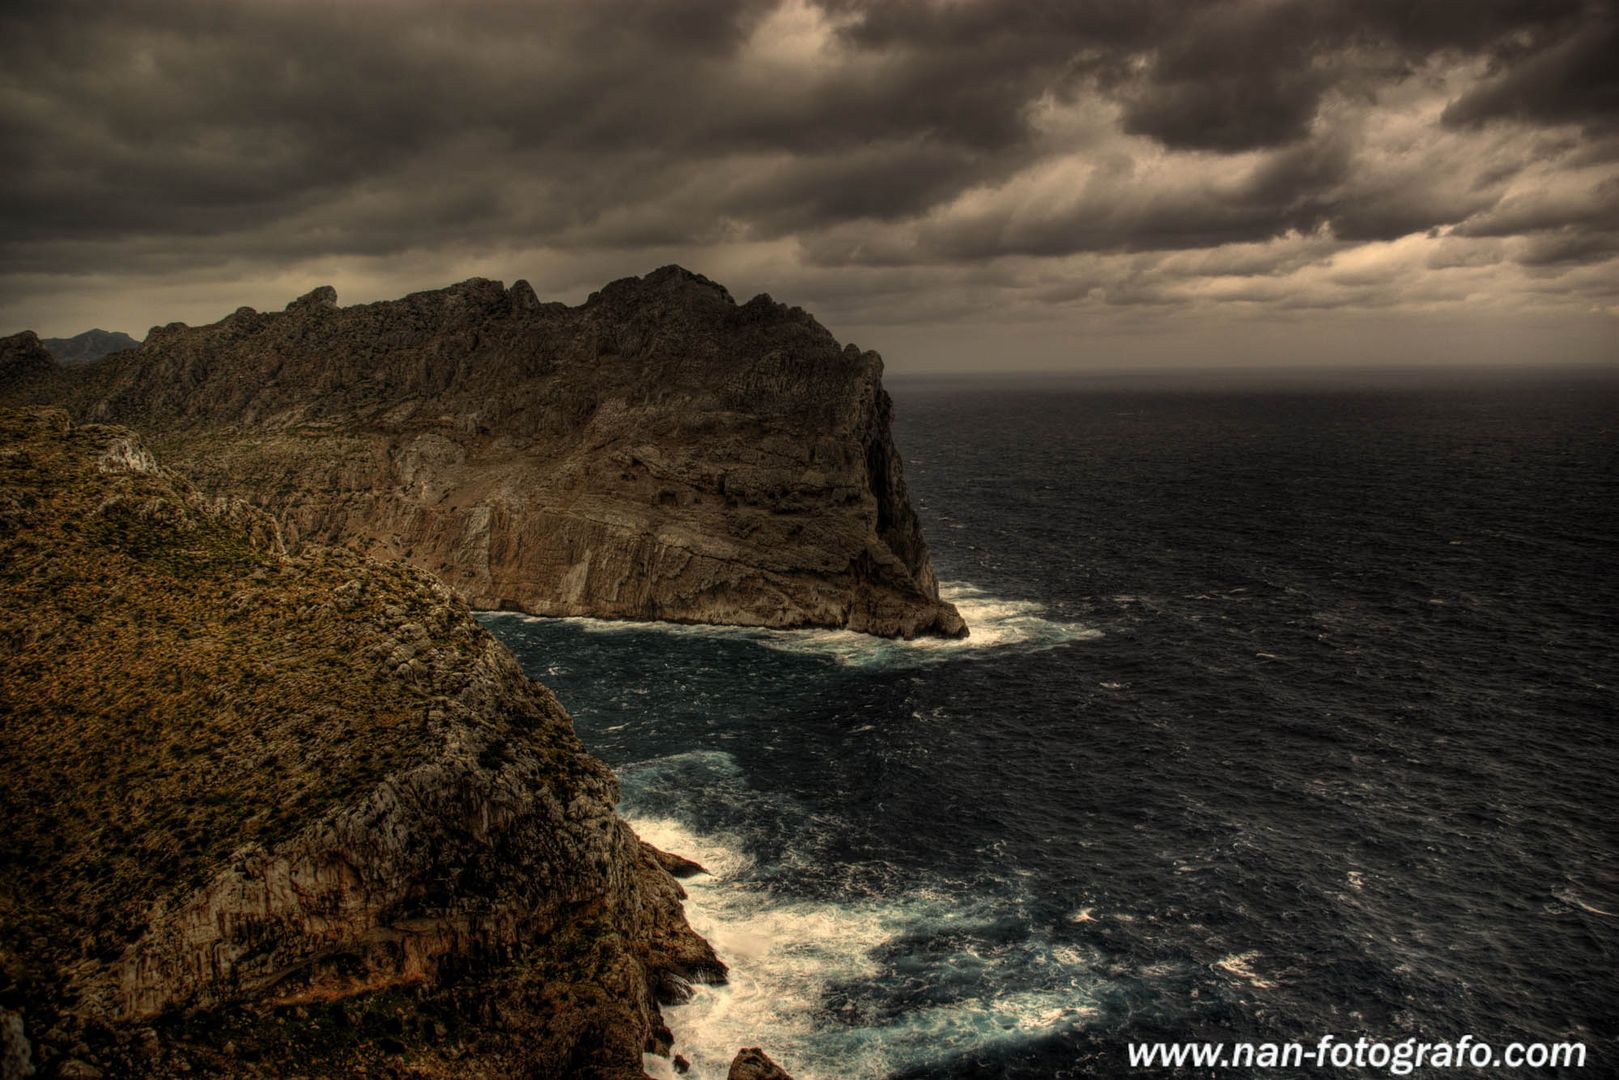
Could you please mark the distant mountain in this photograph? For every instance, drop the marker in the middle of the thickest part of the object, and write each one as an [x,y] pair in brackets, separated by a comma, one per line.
[88,347]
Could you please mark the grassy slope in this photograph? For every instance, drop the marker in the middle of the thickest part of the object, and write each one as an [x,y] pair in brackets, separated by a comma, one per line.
[178,690]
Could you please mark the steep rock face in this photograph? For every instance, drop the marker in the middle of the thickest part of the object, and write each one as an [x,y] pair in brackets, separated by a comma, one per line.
[658,452]
[271,814]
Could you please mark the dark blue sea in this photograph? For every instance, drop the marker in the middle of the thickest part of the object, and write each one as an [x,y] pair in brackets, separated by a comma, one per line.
[1288,710]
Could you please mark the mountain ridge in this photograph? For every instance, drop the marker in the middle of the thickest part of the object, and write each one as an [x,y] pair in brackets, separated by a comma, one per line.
[89,346]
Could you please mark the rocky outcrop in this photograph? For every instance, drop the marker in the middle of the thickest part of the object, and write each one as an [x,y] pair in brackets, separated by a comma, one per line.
[273,814]
[16,1054]
[658,452]
[90,346]
[752,1063]
[678,865]
[26,368]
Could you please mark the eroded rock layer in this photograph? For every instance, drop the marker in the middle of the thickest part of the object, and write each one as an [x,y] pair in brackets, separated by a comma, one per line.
[276,815]
[658,452]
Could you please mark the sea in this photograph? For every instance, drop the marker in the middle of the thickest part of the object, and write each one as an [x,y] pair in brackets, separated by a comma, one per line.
[1289,710]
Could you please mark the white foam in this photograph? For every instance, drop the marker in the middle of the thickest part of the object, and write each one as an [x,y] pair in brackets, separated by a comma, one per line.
[785,954]
[782,955]
[722,860]
[1240,966]
[658,1068]
[993,622]
[1570,898]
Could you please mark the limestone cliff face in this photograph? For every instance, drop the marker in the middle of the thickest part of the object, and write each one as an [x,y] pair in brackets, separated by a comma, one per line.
[658,452]
[271,814]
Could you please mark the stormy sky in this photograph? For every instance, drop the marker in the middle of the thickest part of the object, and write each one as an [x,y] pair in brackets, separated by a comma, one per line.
[1084,184]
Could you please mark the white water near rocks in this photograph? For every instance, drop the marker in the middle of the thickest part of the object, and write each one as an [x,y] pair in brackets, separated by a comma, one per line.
[995,622]
[786,955]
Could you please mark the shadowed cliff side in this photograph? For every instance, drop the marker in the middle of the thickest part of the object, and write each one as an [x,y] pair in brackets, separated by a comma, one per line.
[269,815]
[658,452]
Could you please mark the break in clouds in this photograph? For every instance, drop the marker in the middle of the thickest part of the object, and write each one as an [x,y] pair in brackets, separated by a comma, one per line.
[1069,179]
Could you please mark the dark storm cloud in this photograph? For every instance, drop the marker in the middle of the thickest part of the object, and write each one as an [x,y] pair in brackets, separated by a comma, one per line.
[1574,78]
[1216,75]
[181,116]
[882,181]
[159,136]
[1203,90]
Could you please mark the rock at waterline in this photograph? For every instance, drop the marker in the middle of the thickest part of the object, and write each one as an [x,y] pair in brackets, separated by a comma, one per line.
[752,1063]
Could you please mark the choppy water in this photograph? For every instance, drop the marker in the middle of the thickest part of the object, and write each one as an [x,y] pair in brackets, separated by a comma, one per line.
[1285,713]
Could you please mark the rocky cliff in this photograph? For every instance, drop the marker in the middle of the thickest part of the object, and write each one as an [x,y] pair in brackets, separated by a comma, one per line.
[28,372]
[290,815]
[658,452]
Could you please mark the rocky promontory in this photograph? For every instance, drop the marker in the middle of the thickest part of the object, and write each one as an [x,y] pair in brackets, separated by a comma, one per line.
[657,452]
[273,815]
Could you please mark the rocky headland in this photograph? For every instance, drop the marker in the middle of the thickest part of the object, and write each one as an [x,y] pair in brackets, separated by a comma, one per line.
[657,452]
[280,815]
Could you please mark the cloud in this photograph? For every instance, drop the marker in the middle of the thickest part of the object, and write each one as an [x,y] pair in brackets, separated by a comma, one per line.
[936,160]
[1570,79]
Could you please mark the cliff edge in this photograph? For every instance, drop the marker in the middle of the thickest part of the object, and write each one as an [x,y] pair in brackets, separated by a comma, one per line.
[657,452]
[275,815]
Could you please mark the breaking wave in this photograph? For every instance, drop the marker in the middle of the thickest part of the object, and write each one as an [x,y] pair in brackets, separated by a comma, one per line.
[995,623]
[815,978]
